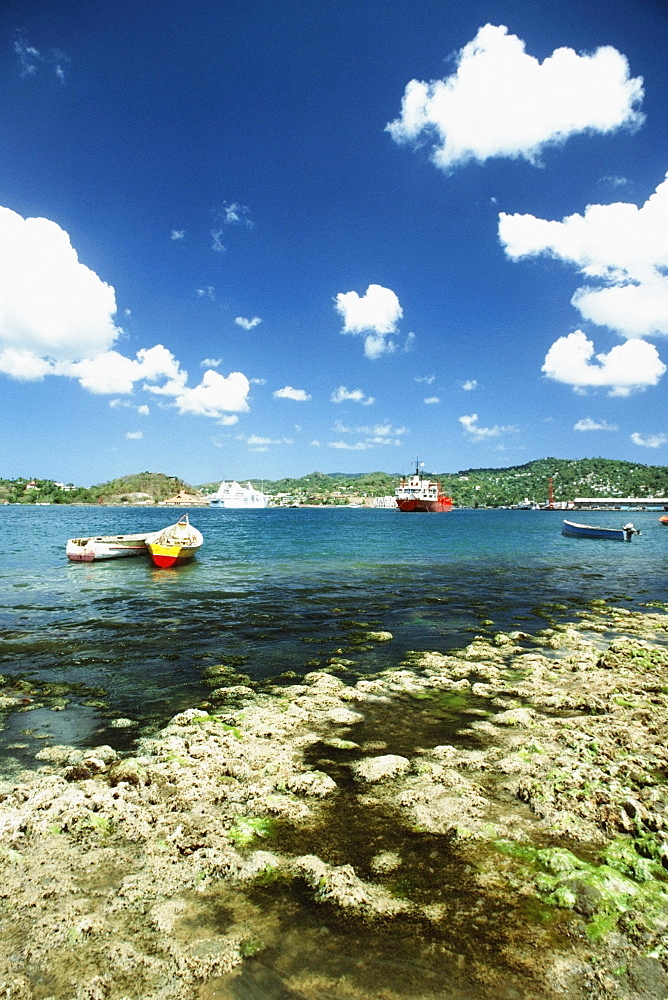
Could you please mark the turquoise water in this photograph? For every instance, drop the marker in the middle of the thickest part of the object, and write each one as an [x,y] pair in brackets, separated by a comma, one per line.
[276,590]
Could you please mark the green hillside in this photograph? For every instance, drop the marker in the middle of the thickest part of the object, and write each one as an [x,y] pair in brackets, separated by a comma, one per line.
[154,484]
[587,477]
[468,488]
[494,487]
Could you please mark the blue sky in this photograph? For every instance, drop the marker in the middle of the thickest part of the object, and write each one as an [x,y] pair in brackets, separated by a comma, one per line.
[252,239]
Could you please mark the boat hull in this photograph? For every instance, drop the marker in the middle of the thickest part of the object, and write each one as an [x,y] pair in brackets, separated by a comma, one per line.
[105,547]
[174,545]
[574,530]
[166,556]
[413,505]
[664,520]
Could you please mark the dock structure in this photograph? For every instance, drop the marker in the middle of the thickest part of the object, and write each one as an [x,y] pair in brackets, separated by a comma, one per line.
[620,503]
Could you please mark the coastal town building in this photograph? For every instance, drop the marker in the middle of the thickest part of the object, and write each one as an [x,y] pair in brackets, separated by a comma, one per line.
[620,503]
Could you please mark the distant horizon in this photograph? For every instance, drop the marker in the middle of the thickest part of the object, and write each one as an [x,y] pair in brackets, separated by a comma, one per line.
[424,470]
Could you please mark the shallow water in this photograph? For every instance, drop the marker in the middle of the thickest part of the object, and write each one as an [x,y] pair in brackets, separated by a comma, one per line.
[276,590]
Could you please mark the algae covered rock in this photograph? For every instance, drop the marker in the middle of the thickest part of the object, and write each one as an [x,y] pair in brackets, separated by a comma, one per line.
[633,654]
[315,783]
[383,768]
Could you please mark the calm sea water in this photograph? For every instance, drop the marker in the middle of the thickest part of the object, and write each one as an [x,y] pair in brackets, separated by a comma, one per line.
[276,590]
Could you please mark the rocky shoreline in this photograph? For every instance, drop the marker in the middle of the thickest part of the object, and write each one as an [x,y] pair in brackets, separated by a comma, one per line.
[487,823]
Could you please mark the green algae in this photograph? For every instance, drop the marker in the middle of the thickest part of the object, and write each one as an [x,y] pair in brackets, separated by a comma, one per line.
[623,889]
[246,829]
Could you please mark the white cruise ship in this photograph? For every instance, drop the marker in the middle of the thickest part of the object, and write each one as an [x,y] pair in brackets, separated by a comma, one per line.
[233,495]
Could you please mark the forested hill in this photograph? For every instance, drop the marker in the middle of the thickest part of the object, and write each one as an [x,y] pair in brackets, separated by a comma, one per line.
[500,487]
[585,477]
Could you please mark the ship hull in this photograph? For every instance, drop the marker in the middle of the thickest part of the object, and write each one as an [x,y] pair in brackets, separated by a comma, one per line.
[416,506]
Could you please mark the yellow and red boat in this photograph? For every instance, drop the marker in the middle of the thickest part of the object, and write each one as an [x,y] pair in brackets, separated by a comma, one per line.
[174,545]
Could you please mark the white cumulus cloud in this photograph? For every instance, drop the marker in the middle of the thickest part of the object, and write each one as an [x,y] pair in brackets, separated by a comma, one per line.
[587,424]
[287,392]
[215,395]
[57,318]
[374,315]
[343,395]
[630,366]
[621,250]
[112,372]
[52,307]
[651,441]
[502,102]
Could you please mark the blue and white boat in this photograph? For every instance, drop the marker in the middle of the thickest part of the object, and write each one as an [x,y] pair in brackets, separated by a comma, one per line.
[575,530]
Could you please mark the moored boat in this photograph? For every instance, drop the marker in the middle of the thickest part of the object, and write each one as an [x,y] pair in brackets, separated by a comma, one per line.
[575,530]
[416,493]
[232,495]
[92,547]
[664,520]
[175,544]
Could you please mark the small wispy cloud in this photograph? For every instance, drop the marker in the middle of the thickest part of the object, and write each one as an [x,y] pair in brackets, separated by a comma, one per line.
[426,379]
[30,59]
[235,214]
[430,400]
[347,446]
[374,435]
[127,404]
[208,292]
[614,182]
[216,244]
[177,234]
[587,424]
[651,441]
[343,395]
[257,443]
[211,362]
[470,385]
[247,324]
[287,392]
[134,435]
[477,433]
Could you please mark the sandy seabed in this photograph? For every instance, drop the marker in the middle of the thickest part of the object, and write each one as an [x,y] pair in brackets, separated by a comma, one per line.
[490,823]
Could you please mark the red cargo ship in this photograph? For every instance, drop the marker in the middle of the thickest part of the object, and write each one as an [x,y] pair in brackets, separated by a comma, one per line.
[422,495]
